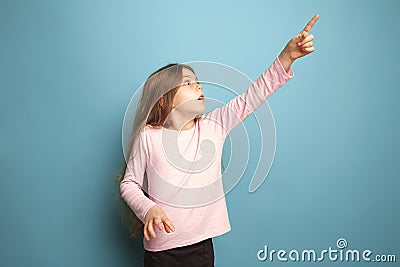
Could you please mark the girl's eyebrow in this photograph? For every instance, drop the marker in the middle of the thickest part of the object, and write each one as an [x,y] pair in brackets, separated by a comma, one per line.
[187,76]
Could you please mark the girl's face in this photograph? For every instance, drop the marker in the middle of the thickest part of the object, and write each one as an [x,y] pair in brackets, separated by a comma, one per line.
[189,98]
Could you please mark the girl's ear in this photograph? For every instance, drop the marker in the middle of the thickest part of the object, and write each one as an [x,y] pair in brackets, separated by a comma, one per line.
[161,101]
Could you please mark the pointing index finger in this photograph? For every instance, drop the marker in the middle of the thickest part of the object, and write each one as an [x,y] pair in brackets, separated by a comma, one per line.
[311,23]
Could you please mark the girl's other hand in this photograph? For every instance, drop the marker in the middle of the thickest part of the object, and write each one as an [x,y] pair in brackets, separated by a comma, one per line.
[156,216]
[298,46]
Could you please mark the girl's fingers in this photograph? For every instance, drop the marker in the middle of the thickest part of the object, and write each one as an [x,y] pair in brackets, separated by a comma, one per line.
[311,23]
[300,37]
[159,223]
[162,222]
[146,234]
[309,44]
[167,229]
[307,39]
[151,229]
[308,49]
[169,224]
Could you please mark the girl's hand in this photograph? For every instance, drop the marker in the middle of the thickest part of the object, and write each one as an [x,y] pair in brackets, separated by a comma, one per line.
[156,216]
[298,46]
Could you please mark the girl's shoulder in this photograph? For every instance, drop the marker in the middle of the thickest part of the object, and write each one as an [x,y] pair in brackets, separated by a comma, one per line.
[150,127]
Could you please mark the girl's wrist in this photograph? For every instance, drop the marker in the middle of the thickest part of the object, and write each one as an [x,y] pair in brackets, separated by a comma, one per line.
[285,60]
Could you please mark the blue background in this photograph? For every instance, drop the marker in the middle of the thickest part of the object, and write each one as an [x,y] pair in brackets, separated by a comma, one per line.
[69,68]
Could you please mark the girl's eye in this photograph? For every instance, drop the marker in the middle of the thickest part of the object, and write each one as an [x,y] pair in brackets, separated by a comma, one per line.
[190,83]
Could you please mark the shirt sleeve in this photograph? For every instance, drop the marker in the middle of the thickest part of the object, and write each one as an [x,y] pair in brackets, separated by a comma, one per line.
[131,185]
[241,106]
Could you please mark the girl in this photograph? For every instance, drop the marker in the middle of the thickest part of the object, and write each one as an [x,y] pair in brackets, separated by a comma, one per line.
[174,156]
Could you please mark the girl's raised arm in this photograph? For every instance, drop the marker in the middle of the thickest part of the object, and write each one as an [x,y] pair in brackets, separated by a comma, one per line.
[240,107]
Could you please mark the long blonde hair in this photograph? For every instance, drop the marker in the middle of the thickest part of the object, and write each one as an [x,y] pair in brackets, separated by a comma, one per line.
[161,84]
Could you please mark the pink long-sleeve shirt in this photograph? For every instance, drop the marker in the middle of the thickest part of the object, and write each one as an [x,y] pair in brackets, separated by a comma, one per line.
[183,168]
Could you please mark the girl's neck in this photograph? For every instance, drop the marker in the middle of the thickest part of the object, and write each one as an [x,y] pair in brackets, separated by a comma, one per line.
[180,126]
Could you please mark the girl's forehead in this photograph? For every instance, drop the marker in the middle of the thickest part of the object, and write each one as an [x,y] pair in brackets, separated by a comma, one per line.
[186,73]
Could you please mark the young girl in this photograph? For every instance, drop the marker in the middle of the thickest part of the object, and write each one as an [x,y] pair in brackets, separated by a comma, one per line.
[175,153]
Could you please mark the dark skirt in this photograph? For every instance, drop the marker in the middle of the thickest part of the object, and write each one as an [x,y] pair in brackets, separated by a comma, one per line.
[200,254]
